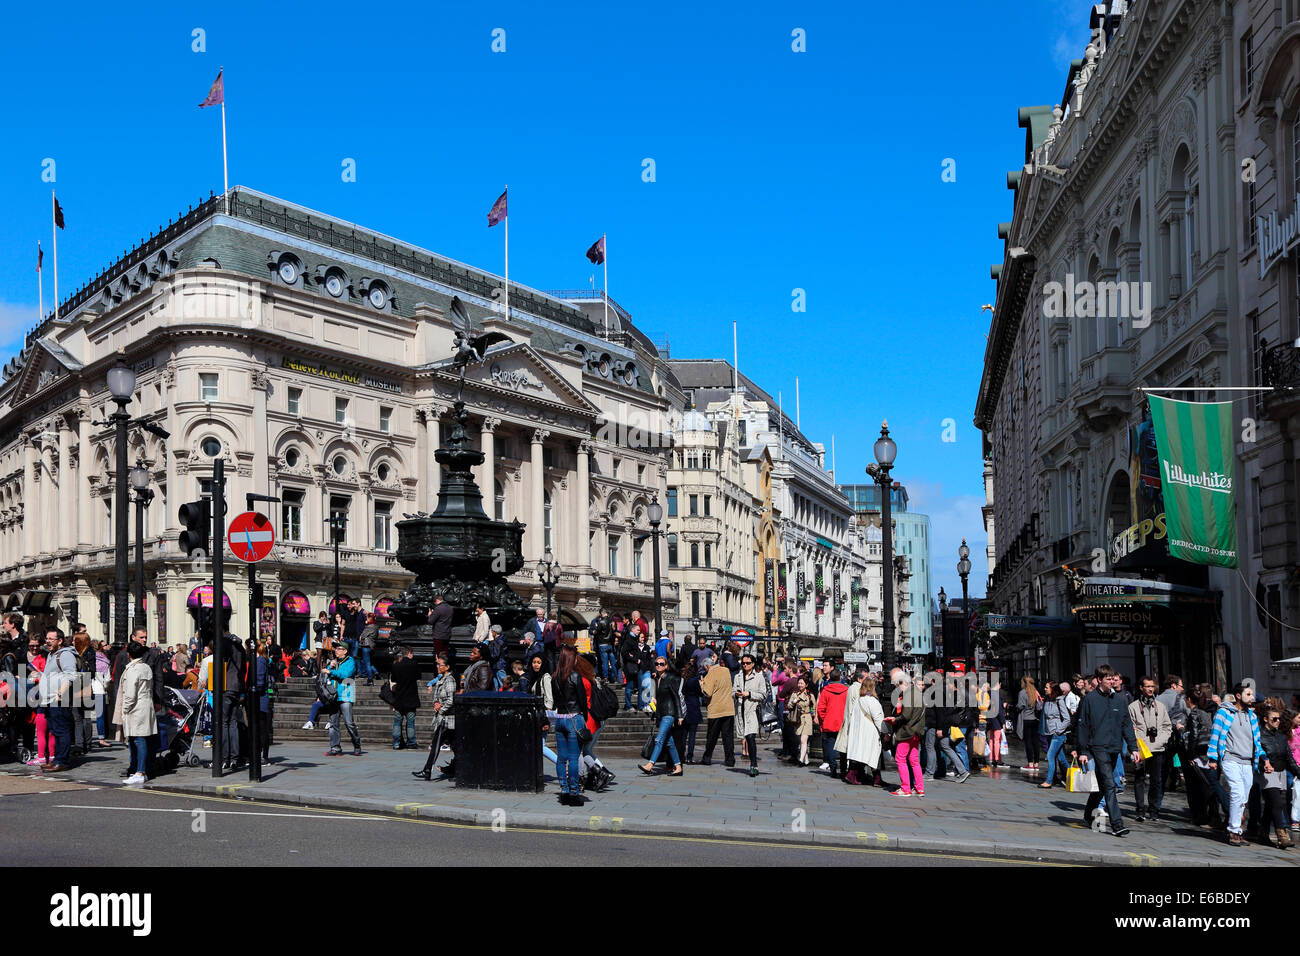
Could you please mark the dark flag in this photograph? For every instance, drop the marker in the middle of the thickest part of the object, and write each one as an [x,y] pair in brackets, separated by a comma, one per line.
[597,251]
[217,93]
[40,256]
[498,210]
[58,214]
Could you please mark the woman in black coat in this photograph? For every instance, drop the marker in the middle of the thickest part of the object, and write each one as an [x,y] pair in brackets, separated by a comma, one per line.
[670,711]
[694,714]
[405,681]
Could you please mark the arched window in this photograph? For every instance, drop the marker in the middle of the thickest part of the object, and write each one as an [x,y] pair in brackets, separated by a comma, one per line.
[546,519]
[499,512]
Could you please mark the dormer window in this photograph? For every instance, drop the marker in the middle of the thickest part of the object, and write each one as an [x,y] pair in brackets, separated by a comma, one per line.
[334,280]
[286,266]
[377,293]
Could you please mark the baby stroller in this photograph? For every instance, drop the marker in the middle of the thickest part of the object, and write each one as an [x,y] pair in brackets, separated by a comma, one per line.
[13,721]
[186,711]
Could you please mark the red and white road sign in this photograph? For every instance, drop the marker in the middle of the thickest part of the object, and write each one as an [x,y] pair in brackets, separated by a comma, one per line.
[251,536]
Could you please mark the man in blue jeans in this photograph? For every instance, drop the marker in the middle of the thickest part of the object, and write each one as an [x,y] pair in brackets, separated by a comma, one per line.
[1105,734]
[602,635]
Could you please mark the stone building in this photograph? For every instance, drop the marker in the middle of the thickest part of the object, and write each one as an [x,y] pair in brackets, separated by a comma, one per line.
[1119,273]
[311,355]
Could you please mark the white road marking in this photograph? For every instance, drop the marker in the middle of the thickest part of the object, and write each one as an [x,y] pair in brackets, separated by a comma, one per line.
[233,813]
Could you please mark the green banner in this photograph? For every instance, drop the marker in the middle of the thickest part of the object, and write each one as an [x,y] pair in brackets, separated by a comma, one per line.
[1194,442]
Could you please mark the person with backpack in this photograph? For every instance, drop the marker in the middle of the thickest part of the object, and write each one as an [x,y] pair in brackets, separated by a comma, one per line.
[602,704]
[58,681]
[342,675]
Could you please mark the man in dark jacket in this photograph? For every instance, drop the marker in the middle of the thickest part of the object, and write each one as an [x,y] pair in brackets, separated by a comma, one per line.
[636,658]
[406,697]
[440,616]
[602,635]
[1105,730]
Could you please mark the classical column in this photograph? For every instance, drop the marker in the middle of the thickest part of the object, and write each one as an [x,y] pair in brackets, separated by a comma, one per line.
[488,470]
[581,496]
[31,507]
[85,460]
[536,485]
[49,509]
[431,415]
[67,490]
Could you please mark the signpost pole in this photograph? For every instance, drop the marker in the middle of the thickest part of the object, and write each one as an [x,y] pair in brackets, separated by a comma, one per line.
[218,672]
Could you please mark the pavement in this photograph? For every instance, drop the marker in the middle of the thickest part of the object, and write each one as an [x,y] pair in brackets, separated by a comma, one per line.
[1001,815]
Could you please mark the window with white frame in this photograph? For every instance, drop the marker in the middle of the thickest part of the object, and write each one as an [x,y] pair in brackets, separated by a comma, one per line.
[295,401]
[1248,62]
[547,522]
[340,505]
[613,554]
[383,526]
[638,554]
[291,514]
[340,410]
[208,386]
[499,510]
[385,419]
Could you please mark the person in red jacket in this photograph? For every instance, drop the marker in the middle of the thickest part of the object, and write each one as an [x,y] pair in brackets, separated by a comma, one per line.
[830,714]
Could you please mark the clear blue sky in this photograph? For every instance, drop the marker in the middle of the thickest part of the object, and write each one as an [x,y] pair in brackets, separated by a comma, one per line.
[775,170]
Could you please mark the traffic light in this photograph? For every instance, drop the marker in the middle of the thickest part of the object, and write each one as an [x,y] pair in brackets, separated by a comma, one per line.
[103,608]
[197,518]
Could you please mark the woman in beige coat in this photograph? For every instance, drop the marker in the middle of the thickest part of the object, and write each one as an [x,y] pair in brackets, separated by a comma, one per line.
[138,721]
[800,710]
[861,743]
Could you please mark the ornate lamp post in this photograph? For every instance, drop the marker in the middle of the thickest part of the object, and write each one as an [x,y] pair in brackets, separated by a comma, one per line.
[655,514]
[548,573]
[963,569]
[121,385]
[695,625]
[886,450]
[338,523]
[143,496]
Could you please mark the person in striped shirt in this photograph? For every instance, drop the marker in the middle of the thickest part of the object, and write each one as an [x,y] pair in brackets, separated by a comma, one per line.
[1234,748]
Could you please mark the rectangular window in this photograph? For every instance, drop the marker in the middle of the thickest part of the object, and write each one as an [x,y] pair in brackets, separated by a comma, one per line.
[695,504]
[1248,63]
[385,419]
[383,526]
[638,553]
[708,604]
[640,474]
[205,487]
[672,502]
[706,460]
[340,410]
[695,604]
[295,401]
[108,520]
[692,461]
[613,554]
[1257,353]
[708,555]
[291,515]
[1259,515]
[695,554]
[672,551]
[707,500]
[1252,225]
[339,507]
[208,386]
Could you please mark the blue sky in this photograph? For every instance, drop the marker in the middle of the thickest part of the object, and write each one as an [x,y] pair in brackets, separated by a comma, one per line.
[774,171]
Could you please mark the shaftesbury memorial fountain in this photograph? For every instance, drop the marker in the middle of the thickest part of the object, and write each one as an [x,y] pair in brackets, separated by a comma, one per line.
[458,551]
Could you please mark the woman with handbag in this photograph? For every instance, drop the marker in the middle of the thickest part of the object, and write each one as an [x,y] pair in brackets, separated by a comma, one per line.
[863,745]
[1028,706]
[750,689]
[443,728]
[670,707]
[1056,720]
[569,718]
[799,712]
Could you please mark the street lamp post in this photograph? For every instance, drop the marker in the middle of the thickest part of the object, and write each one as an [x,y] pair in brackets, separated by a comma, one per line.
[548,573]
[886,450]
[143,496]
[121,385]
[338,522]
[655,513]
[695,625]
[963,569]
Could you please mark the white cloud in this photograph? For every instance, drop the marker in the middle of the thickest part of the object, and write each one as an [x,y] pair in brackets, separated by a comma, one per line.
[952,517]
[15,322]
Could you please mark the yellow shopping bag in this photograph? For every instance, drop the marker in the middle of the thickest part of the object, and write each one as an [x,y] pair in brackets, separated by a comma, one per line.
[1143,749]
[1078,780]
[954,734]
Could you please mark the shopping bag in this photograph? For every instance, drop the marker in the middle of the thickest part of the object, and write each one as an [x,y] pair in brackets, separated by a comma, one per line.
[1143,749]
[1078,780]
[977,744]
[955,734]
[1177,763]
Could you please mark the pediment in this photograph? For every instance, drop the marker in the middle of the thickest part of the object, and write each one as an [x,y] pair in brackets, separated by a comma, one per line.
[519,371]
[46,363]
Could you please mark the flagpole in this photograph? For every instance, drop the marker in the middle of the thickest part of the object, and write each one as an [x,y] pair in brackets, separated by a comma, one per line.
[54,228]
[507,218]
[605,263]
[225,170]
[40,286]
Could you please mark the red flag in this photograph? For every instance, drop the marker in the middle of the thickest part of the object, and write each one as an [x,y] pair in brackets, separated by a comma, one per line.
[40,256]
[217,94]
[498,210]
[597,251]
[58,214]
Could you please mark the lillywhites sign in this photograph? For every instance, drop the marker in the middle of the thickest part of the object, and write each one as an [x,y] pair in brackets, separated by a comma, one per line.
[1277,239]
[1194,442]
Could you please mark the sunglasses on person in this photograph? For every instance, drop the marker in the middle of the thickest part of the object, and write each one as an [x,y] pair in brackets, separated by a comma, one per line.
[1274,719]
[661,663]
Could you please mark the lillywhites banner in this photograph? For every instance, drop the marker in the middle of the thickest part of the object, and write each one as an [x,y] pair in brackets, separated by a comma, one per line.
[1194,442]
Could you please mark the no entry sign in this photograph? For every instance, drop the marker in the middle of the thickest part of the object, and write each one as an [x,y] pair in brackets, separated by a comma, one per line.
[251,536]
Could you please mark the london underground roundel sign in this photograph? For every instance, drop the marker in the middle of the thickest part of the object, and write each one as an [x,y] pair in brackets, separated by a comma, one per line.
[742,637]
[251,536]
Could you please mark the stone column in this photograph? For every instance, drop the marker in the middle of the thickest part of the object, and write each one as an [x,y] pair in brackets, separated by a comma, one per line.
[1176,283]
[67,537]
[85,461]
[533,535]
[488,470]
[431,416]
[48,532]
[582,495]
[31,506]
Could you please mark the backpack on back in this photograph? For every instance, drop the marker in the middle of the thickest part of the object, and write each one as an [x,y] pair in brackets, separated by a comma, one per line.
[604,701]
